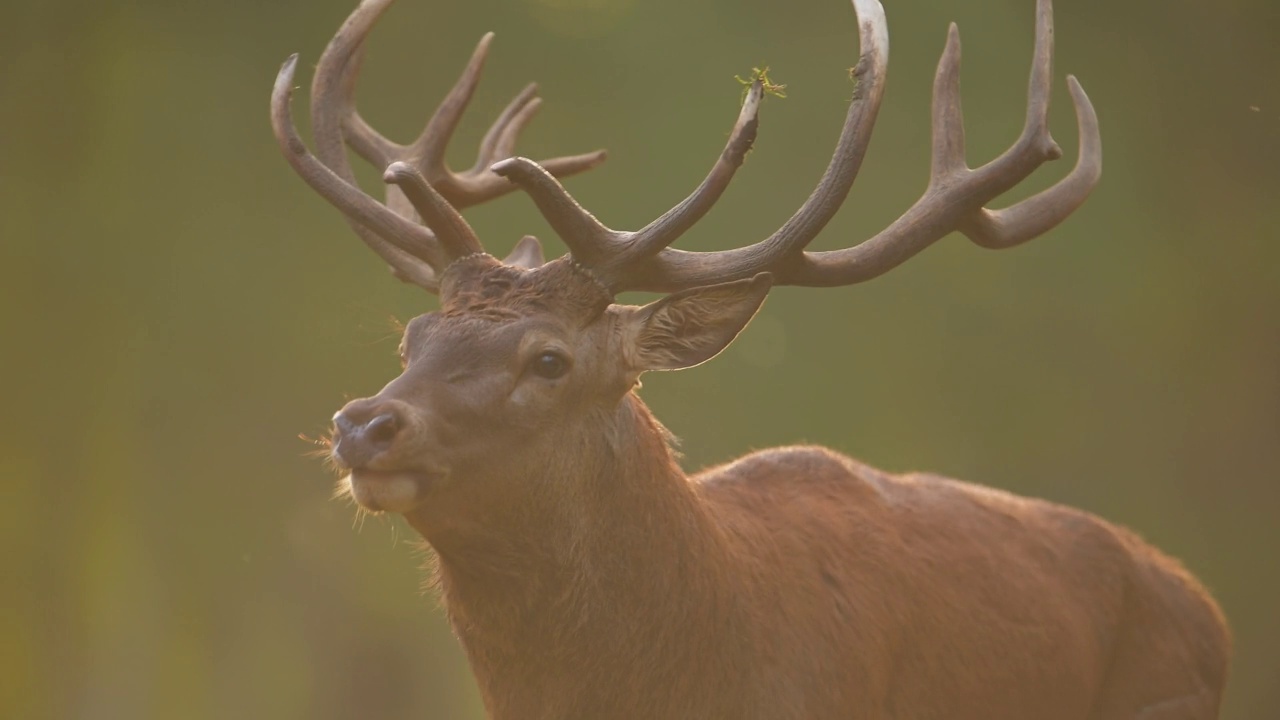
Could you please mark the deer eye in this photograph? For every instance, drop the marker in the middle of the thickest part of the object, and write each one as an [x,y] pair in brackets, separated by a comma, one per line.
[550,365]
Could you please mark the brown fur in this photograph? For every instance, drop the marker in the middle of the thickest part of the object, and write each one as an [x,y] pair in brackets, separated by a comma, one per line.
[588,577]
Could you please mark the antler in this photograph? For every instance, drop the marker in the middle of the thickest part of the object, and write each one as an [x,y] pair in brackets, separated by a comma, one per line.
[609,253]
[420,184]
[954,199]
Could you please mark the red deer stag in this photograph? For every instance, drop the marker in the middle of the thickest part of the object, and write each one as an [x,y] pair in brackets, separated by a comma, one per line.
[587,576]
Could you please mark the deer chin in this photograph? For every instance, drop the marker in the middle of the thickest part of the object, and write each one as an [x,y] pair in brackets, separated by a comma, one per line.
[397,491]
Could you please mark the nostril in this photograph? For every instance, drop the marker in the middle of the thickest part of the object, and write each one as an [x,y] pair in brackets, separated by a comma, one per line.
[357,442]
[342,425]
[382,430]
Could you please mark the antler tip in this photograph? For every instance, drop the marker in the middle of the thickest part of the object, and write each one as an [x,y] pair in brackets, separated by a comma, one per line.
[481,52]
[506,168]
[1087,120]
[751,104]
[573,164]
[287,69]
[281,117]
[398,171]
[952,48]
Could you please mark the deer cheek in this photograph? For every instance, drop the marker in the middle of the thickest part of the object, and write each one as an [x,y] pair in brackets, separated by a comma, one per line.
[532,401]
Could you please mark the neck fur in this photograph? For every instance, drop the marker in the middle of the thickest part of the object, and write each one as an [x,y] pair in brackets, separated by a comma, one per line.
[613,560]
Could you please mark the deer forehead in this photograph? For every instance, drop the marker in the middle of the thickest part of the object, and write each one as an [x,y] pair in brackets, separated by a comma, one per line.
[492,314]
[481,287]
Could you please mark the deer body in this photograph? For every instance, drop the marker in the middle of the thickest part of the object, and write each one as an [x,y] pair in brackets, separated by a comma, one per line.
[588,577]
[798,583]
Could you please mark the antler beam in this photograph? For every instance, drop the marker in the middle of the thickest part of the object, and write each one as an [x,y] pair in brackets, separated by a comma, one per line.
[954,199]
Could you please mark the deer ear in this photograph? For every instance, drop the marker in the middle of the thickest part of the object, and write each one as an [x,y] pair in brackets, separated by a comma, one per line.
[526,254]
[691,326]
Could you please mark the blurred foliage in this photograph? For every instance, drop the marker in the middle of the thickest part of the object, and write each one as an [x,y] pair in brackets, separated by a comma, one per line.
[177,307]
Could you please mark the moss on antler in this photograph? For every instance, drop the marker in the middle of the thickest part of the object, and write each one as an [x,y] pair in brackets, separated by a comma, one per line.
[762,75]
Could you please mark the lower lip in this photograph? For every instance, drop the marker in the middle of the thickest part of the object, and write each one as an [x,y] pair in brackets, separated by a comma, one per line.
[387,491]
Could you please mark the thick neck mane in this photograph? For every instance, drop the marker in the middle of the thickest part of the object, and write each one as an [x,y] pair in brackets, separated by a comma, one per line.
[623,566]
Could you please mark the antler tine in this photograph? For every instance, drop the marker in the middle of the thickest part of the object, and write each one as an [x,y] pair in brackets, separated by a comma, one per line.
[588,239]
[334,85]
[453,232]
[947,117]
[407,247]
[332,89]
[1016,224]
[672,224]
[500,140]
[336,121]
[953,200]
[431,143]
[1035,145]
[610,253]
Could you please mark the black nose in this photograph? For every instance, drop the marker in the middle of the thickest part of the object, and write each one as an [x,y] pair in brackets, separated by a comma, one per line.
[356,444]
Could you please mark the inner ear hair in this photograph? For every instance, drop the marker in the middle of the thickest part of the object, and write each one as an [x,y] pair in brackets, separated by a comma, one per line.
[690,327]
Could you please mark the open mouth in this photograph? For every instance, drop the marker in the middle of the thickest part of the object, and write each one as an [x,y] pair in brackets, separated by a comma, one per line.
[388,490]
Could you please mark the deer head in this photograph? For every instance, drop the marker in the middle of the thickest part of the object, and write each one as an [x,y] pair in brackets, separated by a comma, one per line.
[527,364]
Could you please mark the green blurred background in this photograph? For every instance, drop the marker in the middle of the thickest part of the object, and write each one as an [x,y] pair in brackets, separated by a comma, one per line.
[177,307]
